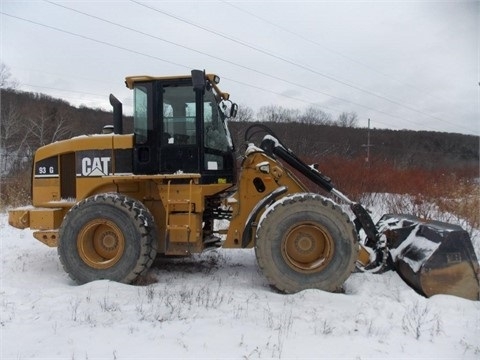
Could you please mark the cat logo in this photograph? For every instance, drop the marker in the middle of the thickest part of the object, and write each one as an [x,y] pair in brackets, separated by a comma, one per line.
[95,166]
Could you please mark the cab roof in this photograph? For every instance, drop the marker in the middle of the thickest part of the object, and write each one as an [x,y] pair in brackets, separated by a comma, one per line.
[212,78]
[131,80]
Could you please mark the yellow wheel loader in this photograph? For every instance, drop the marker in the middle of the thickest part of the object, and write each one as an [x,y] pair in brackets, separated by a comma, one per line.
[112,202]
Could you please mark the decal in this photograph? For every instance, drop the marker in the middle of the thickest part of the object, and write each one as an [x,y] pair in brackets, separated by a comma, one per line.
[47,168]
[92,163]
[96,166]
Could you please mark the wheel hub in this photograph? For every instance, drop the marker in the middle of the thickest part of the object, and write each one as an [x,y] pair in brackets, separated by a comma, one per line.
[304,243]
[106,241]
[307,247]
[100,243]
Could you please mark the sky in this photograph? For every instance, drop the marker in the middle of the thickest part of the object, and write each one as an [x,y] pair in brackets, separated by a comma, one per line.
[401,64]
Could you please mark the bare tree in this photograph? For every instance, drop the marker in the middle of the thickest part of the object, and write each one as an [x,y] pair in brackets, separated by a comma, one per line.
[313,115]
[48,126]
[278,114]
[244,114]
[13,136]
[347,119]
[5,76]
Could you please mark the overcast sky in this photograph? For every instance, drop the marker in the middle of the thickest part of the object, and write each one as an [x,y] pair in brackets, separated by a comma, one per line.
[403,64]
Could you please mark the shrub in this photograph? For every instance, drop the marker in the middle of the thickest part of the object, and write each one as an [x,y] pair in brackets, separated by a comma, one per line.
[456,191]
[15,189]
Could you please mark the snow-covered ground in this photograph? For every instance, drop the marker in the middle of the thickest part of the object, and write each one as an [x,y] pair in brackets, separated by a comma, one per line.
[217,305]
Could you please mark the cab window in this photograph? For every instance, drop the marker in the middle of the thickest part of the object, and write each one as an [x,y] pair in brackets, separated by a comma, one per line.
[179,110]
[140,113]
[216,136]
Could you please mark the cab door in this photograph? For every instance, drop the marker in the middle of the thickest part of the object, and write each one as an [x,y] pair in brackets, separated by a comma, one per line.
[180,147]
[145,150]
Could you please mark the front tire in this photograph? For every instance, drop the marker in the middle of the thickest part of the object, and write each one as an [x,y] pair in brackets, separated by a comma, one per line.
[107,236]
[306,241]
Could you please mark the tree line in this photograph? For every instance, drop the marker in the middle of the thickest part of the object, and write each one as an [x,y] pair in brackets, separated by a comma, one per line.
[400,148]
[30,120]
[312,115]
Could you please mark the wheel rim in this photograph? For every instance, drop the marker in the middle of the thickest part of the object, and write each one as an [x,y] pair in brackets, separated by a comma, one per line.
[100,243]
[307,248]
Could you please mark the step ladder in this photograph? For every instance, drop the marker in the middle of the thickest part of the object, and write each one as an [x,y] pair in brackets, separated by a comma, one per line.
[179,224]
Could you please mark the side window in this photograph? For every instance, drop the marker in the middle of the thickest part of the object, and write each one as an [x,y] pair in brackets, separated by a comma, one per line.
[216,137]
[140,114]
[179,110]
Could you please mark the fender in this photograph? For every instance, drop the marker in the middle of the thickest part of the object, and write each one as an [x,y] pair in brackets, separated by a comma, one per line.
[267,200]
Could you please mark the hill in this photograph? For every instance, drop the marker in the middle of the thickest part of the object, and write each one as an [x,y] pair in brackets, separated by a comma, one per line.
[30,120]
[402,148]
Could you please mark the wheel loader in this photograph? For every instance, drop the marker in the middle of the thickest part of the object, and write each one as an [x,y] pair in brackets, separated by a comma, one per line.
[112,202]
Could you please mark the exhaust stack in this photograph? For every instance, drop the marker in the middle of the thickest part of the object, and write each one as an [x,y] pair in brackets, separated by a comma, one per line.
[117,115]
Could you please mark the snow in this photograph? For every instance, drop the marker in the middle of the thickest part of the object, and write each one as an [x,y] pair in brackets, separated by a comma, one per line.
[418,245]
[252,148]
[275,141]
[217,305]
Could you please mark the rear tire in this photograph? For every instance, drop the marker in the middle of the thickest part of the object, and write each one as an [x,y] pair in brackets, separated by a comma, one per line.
[306,241]
[107,236]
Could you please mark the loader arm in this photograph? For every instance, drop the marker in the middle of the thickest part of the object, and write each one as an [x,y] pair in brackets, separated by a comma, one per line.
[363,219]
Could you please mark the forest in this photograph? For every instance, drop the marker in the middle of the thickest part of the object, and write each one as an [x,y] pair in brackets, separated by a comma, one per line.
[358,159]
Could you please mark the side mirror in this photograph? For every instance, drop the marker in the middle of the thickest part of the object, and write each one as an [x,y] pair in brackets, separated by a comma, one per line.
[233,110]
[228,108]
[198,80]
